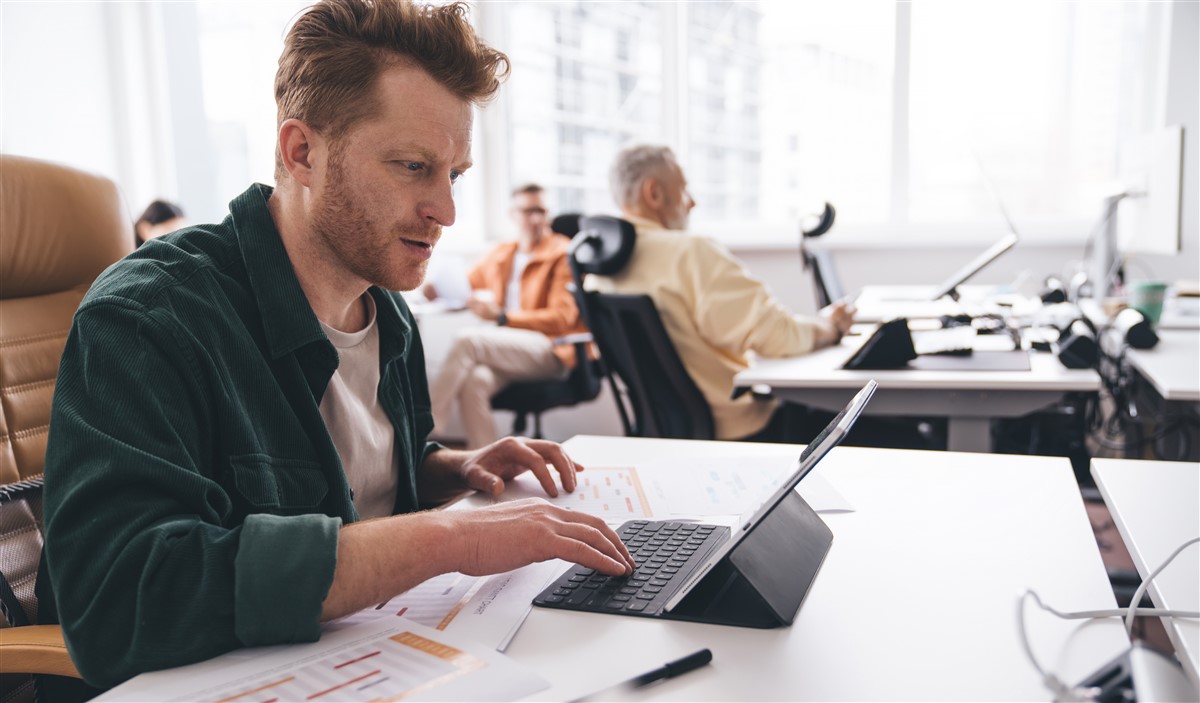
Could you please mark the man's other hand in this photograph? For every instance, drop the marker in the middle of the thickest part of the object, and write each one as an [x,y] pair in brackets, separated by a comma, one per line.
[429,291]
[508,536]
[484,309]
[837,319]
[487,469]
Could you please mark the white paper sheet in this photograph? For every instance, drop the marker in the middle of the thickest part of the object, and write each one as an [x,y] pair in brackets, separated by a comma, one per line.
[731,486]
[381,660]
[615,494]
[488,609]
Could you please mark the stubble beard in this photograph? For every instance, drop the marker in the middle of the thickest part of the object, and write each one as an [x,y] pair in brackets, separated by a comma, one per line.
[359,243]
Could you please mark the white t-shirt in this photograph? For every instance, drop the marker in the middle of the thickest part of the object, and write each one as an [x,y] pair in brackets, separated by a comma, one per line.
[512,296]
[357,422]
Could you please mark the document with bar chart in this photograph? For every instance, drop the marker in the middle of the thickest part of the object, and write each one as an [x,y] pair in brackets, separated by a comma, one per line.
[484,609]
[612,493]
[384,660]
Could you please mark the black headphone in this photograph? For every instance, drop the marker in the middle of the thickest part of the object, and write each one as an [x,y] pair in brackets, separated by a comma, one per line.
[1078,344]
[1135,329]
[1053,291]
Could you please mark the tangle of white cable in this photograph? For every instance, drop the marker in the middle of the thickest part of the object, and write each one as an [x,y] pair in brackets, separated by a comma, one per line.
[1073,693]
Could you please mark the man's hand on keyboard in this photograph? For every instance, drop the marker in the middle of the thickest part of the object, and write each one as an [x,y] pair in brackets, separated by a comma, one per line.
[503,537]
[488,469]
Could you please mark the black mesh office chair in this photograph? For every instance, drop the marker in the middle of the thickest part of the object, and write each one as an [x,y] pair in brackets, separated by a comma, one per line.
[826,285]
[526,398]
[655,396]
[566,224]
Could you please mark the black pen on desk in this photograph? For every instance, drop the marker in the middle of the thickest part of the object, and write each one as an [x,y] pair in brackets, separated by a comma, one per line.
[670,670]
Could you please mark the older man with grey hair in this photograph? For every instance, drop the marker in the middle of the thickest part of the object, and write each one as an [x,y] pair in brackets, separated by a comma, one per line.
[715,312]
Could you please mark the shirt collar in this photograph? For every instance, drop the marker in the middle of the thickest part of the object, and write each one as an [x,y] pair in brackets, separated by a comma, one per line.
[288,320]
[643,224]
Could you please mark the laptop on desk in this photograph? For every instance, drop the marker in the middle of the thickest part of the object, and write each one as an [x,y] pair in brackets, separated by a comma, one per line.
[755,575]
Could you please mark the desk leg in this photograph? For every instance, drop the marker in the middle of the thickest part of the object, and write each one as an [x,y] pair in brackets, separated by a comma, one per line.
[969,434]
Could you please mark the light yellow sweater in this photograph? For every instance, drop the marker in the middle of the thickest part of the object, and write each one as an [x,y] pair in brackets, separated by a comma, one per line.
[715,313]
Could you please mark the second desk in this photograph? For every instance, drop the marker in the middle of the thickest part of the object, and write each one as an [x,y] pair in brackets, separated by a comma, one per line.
[969,400]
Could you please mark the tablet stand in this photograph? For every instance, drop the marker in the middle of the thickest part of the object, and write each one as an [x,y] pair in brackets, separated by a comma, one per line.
[763,581]
[890,347]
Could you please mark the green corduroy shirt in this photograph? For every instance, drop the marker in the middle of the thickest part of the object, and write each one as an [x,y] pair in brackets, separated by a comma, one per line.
[193,495]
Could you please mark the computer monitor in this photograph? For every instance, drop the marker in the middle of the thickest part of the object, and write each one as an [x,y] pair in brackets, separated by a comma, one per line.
[1144,216]
[1151,170]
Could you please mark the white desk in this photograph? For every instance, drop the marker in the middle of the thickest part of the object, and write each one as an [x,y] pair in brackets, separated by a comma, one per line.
[1156,508]
[969,399]
[1172,366]
[917,599]
[1170,392]
[880,303]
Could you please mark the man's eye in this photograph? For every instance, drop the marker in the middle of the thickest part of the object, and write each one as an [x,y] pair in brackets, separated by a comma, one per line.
[455,175]
[412,165]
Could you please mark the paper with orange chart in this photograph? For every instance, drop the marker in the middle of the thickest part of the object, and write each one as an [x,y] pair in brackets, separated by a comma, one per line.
[384,660]
[612,493]
[484,609]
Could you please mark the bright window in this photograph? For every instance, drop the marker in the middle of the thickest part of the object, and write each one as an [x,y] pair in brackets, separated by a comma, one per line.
[892,111]
[587,80]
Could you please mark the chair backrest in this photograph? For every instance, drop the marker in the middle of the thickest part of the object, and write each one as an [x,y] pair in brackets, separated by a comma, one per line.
[827,287]
[658,398]
[61,227]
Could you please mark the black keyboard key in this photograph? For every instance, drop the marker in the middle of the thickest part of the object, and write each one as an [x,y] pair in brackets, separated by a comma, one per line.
[665,552]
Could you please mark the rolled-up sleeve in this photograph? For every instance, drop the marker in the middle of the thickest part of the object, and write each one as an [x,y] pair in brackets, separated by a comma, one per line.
[265,567]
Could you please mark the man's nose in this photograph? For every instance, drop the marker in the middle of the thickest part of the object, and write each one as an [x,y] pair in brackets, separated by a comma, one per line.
[438,205]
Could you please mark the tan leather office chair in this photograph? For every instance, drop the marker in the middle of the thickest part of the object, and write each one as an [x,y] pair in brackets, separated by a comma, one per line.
[59,228]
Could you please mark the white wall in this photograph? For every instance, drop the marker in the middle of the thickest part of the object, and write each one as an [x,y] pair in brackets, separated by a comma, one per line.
[57,89]
[82,85]
[1182,107]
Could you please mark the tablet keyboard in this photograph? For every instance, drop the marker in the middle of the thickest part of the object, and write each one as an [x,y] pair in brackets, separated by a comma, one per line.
[665,552]
[948,340]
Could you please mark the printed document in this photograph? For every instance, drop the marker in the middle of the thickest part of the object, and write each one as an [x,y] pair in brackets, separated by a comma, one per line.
[612,493]
[383,660]
[730,485]
[484,609]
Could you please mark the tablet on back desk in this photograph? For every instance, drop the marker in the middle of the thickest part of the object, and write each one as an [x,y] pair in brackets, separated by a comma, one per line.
[755,577]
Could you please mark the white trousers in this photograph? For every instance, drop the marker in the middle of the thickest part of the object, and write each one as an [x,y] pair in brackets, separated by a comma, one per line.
[481,361]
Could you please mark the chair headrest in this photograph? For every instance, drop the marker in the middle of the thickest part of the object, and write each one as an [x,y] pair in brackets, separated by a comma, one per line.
[603,245]
[61,227]
[566,224]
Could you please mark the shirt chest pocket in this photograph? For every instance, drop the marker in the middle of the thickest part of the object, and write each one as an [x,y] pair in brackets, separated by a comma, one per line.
[280,486]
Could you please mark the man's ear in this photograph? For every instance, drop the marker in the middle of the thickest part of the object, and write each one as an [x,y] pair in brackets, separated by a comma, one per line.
[652,193]
[298,144]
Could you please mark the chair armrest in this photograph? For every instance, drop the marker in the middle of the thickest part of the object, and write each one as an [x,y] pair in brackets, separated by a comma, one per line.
[36,649]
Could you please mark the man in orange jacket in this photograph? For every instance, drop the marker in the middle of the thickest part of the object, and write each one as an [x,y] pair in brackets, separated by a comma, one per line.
[522,286]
